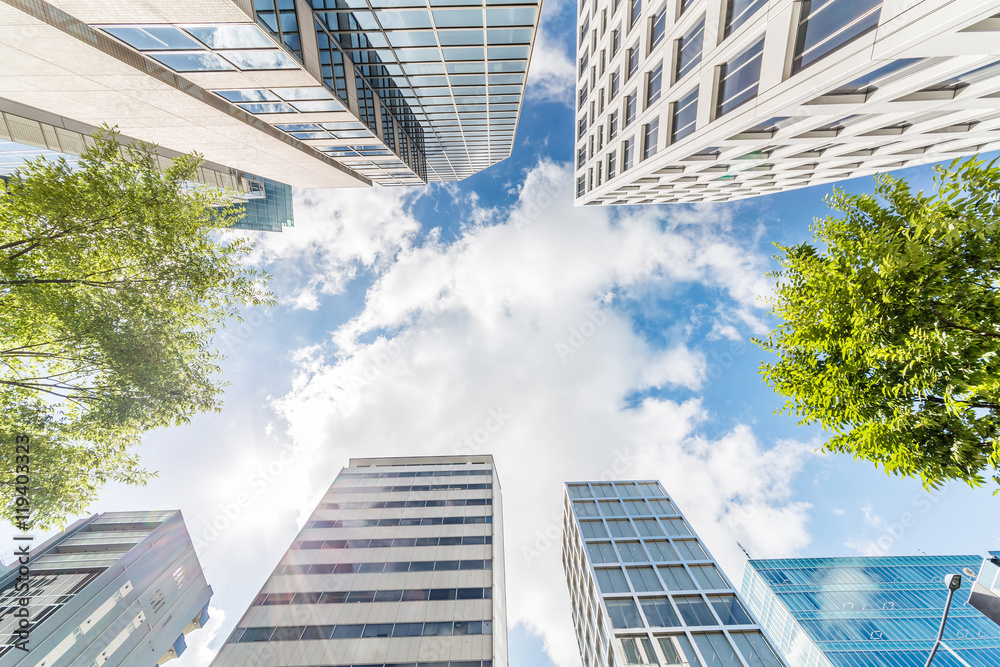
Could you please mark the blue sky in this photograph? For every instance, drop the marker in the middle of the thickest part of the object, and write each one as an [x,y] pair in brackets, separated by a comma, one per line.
[611,343]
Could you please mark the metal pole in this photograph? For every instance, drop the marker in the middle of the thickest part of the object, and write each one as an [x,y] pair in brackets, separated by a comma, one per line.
[954,582]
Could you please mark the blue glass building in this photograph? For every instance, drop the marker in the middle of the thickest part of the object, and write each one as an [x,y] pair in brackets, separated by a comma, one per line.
[268,208]
[878,611]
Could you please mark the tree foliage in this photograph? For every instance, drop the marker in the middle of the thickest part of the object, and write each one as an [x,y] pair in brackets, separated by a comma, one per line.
[114,277]
[889,332]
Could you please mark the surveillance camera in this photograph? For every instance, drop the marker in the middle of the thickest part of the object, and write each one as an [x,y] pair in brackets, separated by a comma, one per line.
[953,582]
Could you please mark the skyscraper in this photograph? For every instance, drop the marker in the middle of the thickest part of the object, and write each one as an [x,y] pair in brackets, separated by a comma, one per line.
[119,588]
[878,611]
[312,93]
[644,589]
[27,133]
[401,564]
[713,100]
[985,595]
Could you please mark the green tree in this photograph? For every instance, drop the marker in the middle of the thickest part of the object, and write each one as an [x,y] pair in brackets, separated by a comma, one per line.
[114,276]
[890,326]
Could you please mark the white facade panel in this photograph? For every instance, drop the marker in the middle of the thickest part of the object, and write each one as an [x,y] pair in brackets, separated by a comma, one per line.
[785,95]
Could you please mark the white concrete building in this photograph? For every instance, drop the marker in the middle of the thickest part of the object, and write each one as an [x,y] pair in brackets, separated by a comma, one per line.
[113,590]
[626,548]
[312,93]
[401,564]
[713,100]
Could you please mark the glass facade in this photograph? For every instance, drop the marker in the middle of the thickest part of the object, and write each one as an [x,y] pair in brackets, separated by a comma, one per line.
[644,589]
[270,206]
[880,611]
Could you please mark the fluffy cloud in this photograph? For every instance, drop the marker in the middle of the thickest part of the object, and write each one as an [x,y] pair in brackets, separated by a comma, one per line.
[337,234]
[198,653]
[551,74]
[516,340]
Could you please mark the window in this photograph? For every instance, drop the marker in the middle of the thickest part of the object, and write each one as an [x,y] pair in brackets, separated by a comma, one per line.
[658,27]
[644,579]
[659,613]
[583,97]
[628,154]
[694,611]
[648,527]
[583,63]
[738,11]
[676,527]
[631,552]
[662,505]
[611,165]
[620,528]
[661,551]
[676,578]
[581,189]
[582,127]
[611,580]
[601,552]
[616,41]
[635,9]
[612,125]
[579,491]
[623,613]
[612,508]
[600,140]
[689,48]
[637,507]
[633,62]
[729,609]
[716,649]
[604,491]
[690,550]
[676,646]
[591,528]
[581,157]
[613,85]
[629,109]
[585,508]
[638,650]
[654,84]
[684,116]
[755,649]
[827,25]
[738,78]
[708,577]
[603,61]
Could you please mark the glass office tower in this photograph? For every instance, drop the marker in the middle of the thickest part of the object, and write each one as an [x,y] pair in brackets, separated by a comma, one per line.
[312,93]
[644,589]
[878,611]
[400,565]
[115,589]
[716,100]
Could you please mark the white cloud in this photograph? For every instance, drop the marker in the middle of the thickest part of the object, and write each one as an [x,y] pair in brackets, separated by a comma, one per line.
[521,321]
[551,73]
[337,234]
[198,653]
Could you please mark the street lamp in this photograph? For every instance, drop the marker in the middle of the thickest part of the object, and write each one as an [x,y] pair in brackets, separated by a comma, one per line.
[953,582]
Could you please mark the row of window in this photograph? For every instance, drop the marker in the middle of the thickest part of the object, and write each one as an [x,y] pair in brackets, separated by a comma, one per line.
[587,508]
[348,597]
[677,611]
[375,568]
[678,650]
[616,490]
[416,487]
[644,579]
[823,27]
[395,542]
[413,473]
[404,521]
[394,504]
[367,630]
[596,528]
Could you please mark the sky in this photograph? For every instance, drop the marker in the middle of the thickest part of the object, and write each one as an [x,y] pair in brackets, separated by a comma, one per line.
[493,316]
